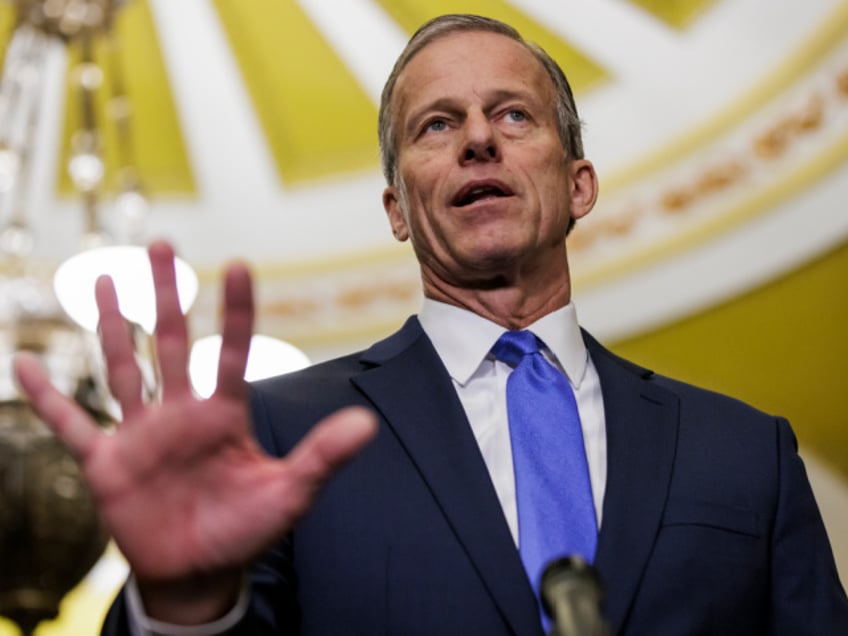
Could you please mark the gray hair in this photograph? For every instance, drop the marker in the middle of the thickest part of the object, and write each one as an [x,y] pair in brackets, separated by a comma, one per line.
[568,122]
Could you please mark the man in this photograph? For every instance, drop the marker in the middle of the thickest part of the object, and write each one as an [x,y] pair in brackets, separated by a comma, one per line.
[707,523]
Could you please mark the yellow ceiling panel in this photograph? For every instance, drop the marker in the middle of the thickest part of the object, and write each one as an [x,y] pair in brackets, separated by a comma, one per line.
[317,119]
[7,23]
[582,72]
[678,13]
[157,149]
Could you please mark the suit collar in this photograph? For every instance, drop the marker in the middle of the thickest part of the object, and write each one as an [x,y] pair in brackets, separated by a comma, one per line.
[384,350]
[463,339]
[408,384]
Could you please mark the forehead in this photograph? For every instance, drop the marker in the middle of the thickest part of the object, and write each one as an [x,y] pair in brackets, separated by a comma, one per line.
[467,63]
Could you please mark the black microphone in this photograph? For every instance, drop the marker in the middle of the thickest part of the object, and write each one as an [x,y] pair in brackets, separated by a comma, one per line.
[571,594]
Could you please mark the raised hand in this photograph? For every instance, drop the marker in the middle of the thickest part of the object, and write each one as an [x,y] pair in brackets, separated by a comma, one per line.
[181,485]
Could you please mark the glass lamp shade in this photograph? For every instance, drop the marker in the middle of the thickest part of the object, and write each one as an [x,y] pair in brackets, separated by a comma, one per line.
[267,357]
[129,268]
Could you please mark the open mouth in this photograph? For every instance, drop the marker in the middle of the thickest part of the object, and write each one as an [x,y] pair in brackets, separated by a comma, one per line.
[472,193]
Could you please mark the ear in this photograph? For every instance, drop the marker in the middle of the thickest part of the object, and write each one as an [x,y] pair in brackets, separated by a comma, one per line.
[584,187]
[394,210]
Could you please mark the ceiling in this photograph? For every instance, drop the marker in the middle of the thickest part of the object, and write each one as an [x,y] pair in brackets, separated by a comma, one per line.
[253,127]
[719,130]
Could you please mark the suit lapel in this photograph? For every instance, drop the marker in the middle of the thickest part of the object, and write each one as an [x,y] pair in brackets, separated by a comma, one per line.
[409,386]
[641,422]
[411,389]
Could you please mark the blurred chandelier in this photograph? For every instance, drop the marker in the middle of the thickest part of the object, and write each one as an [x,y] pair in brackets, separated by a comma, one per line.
[79,26]
[83,28]
[50,535]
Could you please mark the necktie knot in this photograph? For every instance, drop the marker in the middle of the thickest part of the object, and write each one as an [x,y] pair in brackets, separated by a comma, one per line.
[513,346]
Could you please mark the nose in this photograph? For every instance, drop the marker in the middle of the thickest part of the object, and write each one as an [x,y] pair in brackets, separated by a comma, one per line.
[480,142]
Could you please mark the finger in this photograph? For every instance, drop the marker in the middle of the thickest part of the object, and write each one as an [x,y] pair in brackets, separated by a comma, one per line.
[236,332]
[118,349]
[171,329]
[64,416]
[328,446]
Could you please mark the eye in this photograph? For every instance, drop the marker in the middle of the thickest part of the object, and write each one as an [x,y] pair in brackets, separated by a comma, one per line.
[516,115]
[435,125]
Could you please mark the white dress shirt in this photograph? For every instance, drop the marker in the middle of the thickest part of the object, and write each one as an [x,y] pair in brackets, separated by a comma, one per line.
[463,340]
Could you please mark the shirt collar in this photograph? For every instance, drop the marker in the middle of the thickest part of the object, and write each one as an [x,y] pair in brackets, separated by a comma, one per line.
[463,339]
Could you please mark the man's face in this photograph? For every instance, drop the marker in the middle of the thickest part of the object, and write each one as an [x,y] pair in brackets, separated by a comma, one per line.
[484,187]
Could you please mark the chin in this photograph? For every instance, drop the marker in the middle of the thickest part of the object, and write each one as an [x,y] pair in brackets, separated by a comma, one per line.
[499,254]
[492,263]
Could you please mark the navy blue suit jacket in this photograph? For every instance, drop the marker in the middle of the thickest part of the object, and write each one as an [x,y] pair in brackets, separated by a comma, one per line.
[709,524]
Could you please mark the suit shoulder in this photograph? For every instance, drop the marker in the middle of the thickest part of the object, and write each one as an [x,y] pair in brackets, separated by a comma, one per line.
[707,398]
[334,370]
[338,371]
[286,406]
[695,401]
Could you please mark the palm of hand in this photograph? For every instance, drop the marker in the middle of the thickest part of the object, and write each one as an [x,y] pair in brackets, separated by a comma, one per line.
[184,488]
[182,485]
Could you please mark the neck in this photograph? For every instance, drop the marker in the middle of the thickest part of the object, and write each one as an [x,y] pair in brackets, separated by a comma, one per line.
[511,304]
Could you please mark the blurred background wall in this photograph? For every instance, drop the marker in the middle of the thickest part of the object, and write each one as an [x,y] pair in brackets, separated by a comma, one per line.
[718,252]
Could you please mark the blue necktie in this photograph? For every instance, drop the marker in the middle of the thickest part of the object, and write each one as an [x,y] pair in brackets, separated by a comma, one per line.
[556,512]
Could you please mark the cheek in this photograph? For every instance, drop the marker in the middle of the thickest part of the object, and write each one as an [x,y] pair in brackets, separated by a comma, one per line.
[415,207]
[554,207]
[554,184]
[550,192]
[420,194]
